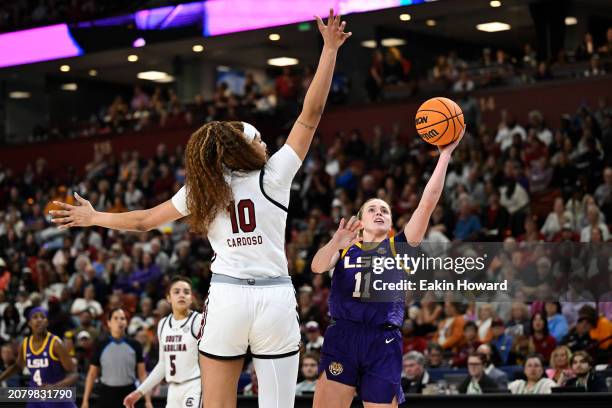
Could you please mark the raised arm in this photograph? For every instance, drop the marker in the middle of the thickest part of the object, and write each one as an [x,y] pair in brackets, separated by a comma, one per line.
[417,226]
[303,130]
[84,215]
[346,235]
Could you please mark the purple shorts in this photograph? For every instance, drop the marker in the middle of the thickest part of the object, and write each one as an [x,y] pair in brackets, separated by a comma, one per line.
[368,358]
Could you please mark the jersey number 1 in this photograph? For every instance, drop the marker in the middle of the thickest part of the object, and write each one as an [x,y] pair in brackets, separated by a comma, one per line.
[245,208]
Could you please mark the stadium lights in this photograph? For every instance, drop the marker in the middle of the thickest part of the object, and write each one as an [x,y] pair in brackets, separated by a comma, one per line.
[405,17]
[392,42]
[495,3]
[65,68]
[493,27]
[71,86]
[19,95]
[132,58]
[197,48]
[156,76]
[140,42]
[274,37]
[571,21]
[430,22]
[93,72]
[368,44]
[283,61]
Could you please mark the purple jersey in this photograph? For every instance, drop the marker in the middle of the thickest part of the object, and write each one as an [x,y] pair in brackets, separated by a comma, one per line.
[349,281]
[44,366]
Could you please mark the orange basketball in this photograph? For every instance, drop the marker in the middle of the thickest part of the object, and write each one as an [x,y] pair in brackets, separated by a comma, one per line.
[439,121]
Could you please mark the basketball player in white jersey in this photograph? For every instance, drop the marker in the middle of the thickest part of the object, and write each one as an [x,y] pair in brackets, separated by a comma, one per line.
[239,199]
[178,352]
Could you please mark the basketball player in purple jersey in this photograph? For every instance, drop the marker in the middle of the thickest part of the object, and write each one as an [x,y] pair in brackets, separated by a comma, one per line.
[46,358]
[363,347]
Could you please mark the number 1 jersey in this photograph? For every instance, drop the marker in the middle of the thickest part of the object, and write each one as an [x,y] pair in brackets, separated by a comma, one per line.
[249,238]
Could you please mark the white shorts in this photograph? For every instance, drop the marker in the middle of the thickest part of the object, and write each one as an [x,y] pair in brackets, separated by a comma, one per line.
[237,317]
[185,395]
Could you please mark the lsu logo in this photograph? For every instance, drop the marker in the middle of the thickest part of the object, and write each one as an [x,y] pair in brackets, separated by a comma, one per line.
[421,120]
[189,402]
[335,368]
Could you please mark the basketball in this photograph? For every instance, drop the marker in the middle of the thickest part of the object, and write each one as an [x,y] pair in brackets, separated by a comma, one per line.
[439,121]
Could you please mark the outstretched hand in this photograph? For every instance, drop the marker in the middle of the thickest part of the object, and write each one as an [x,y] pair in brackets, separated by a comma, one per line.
[333,33]
[347,233]
[449,148]
[73,216]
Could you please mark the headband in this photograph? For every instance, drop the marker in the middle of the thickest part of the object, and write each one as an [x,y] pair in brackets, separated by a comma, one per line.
[250,132]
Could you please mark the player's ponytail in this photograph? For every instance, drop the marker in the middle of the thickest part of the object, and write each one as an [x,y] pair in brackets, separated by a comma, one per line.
[213,150]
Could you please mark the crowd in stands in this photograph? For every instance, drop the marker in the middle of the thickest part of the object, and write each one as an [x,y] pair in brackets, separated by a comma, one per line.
[450,72]
[23,14]
[522,183]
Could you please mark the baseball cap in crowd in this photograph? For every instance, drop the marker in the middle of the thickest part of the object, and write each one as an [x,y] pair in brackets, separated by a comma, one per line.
[312,326]
[83,335]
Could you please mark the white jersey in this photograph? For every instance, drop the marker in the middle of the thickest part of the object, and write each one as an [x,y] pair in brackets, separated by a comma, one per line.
[178,347]
[249,239]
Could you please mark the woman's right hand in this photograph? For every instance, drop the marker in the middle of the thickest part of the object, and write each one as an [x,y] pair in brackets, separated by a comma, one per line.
[347,233]
[131,399]
[73,216]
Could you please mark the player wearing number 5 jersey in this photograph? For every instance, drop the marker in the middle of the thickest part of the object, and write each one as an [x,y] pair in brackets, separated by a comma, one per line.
[178,352]
[363,347]
[46,358]
[239,199]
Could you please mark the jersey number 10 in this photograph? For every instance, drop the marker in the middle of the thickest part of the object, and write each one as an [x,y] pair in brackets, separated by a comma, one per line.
[245,208]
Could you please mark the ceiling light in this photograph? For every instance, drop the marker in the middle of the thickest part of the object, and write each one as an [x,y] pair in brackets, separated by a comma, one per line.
[223,68]
[152,75]
[405,17]
[430,22]
[198,48]
[19,95]
[495,3]
[283,61]
[368,44]
[493,27]
[140,42]
[133,58]
[166,79]
[71,86]
[274,37]
[571,21]
[93,72]
[65,68]
[392,42]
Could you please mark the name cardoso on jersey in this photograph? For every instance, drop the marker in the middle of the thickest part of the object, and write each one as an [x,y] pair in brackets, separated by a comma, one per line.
[252,240]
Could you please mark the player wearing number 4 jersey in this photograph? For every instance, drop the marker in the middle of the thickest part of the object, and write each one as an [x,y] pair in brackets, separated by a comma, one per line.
[46,359]
[178,352]
[239,199]
[363,347]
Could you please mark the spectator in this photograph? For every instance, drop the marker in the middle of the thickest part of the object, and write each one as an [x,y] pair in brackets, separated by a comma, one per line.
[536,382]
[579,338]
[543,72]
[556,219]
[435,357]
[497,375]
[600,327]
[557,324]
[468,224]
[89,302]
[560,370]
[310,367]
[251,388]
[412,342]
[543,342]
[501,340]
[582,366]
[143,320]
[594,223]
[603,193]
[8,357]
[477,382]
[468,345]
[313,337]
[586,48]
[450,329]
[374,81]
[414,376]
[595,68]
